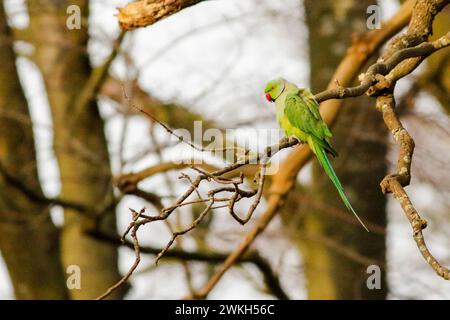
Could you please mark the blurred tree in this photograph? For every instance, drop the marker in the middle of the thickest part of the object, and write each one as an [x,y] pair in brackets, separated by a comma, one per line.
[436,77]
[335,252]
[28,239]
[79,142]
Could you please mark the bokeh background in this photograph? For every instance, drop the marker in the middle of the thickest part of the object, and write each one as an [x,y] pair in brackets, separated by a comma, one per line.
[210,63]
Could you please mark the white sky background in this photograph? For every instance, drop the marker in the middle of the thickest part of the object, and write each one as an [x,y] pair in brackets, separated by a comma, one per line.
[215,57]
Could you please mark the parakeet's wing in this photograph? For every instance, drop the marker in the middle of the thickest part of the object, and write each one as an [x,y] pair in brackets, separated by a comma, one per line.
[302,111]
[310,102]
[299,115]
[308,98]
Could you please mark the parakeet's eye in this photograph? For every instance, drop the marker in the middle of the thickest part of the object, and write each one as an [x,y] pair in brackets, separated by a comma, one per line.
[268,97]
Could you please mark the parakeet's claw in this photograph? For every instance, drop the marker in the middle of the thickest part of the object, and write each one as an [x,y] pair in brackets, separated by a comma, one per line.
[293,139]
[290,140]
[284,140]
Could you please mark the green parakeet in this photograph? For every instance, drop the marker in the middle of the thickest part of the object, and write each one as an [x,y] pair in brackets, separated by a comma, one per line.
[298,115]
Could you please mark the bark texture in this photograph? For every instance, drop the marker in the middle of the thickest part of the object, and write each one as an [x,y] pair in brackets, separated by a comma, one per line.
[79,143]
[29,240]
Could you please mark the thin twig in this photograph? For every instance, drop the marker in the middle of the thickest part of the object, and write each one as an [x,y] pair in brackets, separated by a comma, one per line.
[133,227]
[189,143]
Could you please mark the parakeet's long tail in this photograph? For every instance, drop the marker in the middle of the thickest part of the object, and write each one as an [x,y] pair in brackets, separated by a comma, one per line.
[323,160]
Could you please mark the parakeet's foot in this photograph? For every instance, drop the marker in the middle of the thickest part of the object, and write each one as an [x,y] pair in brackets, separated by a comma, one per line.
[290,140]
[284,140]
[293,139]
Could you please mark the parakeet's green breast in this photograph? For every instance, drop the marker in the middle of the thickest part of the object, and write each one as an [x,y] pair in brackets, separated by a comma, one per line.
[283,121]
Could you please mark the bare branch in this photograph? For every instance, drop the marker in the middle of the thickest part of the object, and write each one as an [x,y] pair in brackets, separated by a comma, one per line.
[40,198]
[212,257]
[133,227]
[95,81]
[146,12]
[394,183]
[375,73]
[181,138]
[179,233]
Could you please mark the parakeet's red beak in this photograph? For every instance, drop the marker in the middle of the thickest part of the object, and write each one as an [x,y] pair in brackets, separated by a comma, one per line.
[268,97]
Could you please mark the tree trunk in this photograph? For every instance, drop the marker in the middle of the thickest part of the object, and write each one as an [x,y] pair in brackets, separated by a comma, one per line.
[28,239]
[79,143]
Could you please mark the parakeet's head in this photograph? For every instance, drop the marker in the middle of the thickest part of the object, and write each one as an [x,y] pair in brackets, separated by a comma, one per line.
[274,89]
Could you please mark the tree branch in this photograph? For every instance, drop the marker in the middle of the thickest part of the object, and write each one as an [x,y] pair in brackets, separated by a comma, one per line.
[394,183]
[253,257]
[38,197]
[374,75]
[146,12]
[95,81]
